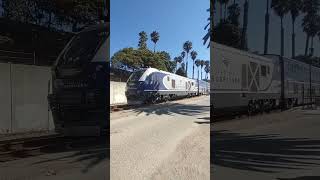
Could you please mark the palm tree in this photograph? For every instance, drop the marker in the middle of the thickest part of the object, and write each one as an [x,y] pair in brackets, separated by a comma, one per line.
[281,8]
[294,7]
[209,26]
[143,37]
[202,63]
[310,8]
[182,66]
[183,55]
[177,60]
[207,64]
[198,63]
[207,70]
[187,46]
[193,57]
[155,38]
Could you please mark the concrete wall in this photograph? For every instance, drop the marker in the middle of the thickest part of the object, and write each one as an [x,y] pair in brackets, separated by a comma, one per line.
[117,93]
[23,98]
[5,99]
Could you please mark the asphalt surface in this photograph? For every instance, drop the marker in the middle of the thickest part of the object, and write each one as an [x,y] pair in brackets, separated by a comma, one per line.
[276,146]
[74,163]
[165,141]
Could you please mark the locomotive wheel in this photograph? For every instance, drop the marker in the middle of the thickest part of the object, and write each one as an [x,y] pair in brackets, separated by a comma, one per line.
[154,100]
[268,106]
[250,108]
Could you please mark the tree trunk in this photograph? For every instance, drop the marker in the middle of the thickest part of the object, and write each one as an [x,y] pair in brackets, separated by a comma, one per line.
[187,65]
[245,26]
[221,18]
[266,36]
[293,39]
[154,48]
[193,70]
[225,11]
[311,49]
[307,45]
[282,37]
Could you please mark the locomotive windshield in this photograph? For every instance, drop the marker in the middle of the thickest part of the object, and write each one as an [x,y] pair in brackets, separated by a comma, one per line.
[136,75]
[82,48]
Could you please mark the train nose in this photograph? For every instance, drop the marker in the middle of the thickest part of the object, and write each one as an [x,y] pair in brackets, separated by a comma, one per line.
[134,91]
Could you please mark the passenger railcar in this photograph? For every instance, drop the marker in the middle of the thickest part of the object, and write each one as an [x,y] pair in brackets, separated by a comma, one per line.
[153,85]
[242,81]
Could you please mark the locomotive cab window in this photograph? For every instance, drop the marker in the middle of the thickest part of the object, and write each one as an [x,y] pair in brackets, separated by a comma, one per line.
[168,78]
[263,70]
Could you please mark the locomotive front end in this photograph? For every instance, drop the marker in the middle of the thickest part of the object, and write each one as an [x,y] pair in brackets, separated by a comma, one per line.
[135,87]
[80,84]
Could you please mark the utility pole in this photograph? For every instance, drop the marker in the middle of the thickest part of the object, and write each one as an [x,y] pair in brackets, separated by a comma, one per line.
[266,35]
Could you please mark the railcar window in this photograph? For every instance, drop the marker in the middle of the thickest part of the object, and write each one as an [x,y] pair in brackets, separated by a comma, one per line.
[173,83]
[168,78]
[263,71]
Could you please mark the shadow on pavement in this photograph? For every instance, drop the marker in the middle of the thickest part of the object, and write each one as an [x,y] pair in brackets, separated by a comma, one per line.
[262,153]
[173,109]
[90,154]
[204,120]
[302,178]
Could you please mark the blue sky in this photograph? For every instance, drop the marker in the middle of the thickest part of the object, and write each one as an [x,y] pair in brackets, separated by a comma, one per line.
[255,32]
[177,21]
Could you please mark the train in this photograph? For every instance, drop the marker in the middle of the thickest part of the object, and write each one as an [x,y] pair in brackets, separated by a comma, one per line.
[150,85]
[243,81]
[80,84]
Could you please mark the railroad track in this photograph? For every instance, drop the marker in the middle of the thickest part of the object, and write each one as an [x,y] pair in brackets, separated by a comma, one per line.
[114,108]
[238,115]
[26,147]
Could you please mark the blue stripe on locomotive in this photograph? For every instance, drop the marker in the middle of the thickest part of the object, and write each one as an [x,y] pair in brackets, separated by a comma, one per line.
[154,81]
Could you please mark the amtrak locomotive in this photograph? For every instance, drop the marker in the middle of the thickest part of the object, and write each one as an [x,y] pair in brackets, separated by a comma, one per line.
[151,85]
[249,82]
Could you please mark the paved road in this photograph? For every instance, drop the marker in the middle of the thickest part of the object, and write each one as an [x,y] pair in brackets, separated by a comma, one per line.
[167,141]
[77,163]
[280,146]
